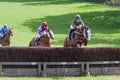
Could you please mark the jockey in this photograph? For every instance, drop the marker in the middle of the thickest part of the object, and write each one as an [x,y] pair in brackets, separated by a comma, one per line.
[41,31]
[3,30]
[77,22]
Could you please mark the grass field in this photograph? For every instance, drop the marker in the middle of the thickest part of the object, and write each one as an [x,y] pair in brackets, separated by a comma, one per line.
[26,15]
[63,78]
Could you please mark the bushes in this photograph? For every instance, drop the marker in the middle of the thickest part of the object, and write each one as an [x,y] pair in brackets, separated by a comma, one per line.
[98,1]
[114,2]
[31,54]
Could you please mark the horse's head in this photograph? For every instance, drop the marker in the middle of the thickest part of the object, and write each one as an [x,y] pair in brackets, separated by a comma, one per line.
[10,31]
[79,31]
[45,40]
[87,32]
[83,35]
[50,34]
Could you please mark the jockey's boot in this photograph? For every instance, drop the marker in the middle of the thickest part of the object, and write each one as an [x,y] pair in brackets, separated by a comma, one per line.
[71,31]
[1,39]
[38,40]
[69,36]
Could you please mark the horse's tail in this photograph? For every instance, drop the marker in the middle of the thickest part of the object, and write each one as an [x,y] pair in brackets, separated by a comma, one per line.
[30,44]
[65,42]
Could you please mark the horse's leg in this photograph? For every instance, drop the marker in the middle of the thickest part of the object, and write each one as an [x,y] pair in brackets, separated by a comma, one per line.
[74,46]
[85,44]
[80,43]
[5,44]
[2,43]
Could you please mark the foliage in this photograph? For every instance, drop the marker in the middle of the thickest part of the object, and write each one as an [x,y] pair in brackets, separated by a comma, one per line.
[114,2]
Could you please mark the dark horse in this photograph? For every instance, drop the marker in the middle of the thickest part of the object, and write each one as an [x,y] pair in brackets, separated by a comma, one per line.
[80,36]
[44,41]
[6,38]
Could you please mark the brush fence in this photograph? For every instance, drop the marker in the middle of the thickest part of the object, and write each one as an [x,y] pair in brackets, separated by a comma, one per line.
[36,61]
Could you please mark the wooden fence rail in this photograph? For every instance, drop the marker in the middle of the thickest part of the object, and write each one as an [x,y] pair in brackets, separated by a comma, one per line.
[44,69]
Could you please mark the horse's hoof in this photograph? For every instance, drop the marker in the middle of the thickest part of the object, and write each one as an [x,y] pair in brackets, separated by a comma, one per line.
[79,45]
[85,44]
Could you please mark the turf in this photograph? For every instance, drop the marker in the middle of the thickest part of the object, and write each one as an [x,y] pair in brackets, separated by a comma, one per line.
[63,78]
[26,15]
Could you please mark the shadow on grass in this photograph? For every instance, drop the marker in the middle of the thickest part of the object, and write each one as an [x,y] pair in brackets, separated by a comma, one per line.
[58,2]
[51,2]
[100,22]
[59,24]
[43,2]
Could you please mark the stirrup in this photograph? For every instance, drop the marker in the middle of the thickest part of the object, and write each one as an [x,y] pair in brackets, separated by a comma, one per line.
[36,43]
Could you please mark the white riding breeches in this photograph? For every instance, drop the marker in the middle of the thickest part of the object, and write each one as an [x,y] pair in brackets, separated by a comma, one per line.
[41,34]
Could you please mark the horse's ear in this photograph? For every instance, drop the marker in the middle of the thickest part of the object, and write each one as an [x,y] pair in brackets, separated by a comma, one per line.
[11,28]
[48,30]
[89,26]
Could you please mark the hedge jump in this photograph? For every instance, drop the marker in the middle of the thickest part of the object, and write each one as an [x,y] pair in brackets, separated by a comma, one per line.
[32,54]
[36,61]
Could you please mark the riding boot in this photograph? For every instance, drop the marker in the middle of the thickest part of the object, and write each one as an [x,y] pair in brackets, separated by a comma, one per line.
[37,40]
[1,38]
[71,31]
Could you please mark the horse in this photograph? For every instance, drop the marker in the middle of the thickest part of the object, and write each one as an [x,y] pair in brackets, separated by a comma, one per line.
[80,36]
[44,41]
[6,38]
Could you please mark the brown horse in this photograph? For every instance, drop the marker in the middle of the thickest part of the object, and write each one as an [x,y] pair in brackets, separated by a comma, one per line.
[6,39]
[44,41]
[80,36]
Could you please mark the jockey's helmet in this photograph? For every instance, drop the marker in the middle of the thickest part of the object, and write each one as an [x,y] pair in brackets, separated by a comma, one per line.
[77,17]
[44,24]
[5,25]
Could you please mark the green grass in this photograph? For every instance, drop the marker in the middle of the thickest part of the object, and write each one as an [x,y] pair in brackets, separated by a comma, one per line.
[26,15]
[63,78]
